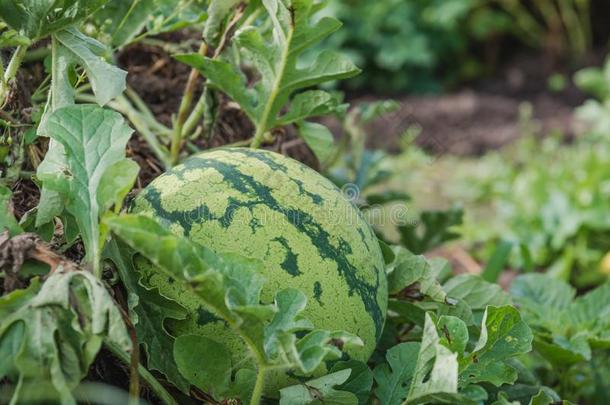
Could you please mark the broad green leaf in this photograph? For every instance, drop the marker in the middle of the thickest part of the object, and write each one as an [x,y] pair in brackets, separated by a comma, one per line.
[591,313]
[307,104]
[275,55]
[94,140]
[115,183]
[503,335]
[319,391]
[58,329]
[566,329]
[148,310]
[7,220]
[433,229]
[204,362]
[218,12]
[360,381]
[227,78]
[290,303]
[316,347]
[127,21]
[453,333]
[36,19]
[242,385]
[475,292]
[74,48]
[436,370]
[408,269]
[546,397]
[537,291]
[393,379]
[124,20]
[51,204]
[319,138]
[503,400]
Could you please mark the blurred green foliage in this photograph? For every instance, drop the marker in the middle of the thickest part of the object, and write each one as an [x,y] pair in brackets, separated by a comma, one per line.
[594,114]
[550,199]
[418,45]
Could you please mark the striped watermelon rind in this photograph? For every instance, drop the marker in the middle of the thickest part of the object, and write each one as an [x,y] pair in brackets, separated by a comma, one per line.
[265,206]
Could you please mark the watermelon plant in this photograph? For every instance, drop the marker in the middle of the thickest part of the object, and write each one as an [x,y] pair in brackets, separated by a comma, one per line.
[238,275]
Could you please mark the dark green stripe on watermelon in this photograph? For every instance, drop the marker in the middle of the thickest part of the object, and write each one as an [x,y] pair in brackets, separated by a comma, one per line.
[260,194]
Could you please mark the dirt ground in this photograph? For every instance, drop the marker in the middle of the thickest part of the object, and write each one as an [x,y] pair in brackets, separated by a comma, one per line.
[484,115]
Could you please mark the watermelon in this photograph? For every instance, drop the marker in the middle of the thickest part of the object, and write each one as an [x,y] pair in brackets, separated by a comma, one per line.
[268,207]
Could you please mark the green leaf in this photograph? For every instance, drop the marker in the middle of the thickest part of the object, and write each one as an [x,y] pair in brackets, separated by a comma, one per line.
[307,104]
[566,329]
[544,397]
[408,269]
[51,205]
[433,229]
[319,139]
[436,370]
[7,220]
[475,292]
[204,362]
[148,310]
[124,20]
[394,378]
[242,385]
[127,21]
[94,140]
[115,183]
[453,332]
[74,48]
[290,303]
[58,329]
[503,335]
[360,381]
[275,55]
[503,400]
[38,18]
[319,391]
[591,313]
[218,12]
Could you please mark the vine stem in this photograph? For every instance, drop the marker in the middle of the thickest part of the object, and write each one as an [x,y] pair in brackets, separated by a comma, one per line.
[11,72]
[259,386]
[150,380]
[200,105]
[263,123]
[185,106]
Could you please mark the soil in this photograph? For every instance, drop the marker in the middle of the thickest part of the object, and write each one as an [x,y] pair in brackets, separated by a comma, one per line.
[485,115]
[160,80]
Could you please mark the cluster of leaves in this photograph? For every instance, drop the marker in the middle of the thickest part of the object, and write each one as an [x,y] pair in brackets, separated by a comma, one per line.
[594,114]
[440,33]
[550,205]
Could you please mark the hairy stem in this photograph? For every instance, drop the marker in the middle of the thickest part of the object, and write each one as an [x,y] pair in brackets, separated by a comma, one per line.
[156,387]
[11,71]
[259,386]
[200,106]
[263,124]
[146,113]
[185,106]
